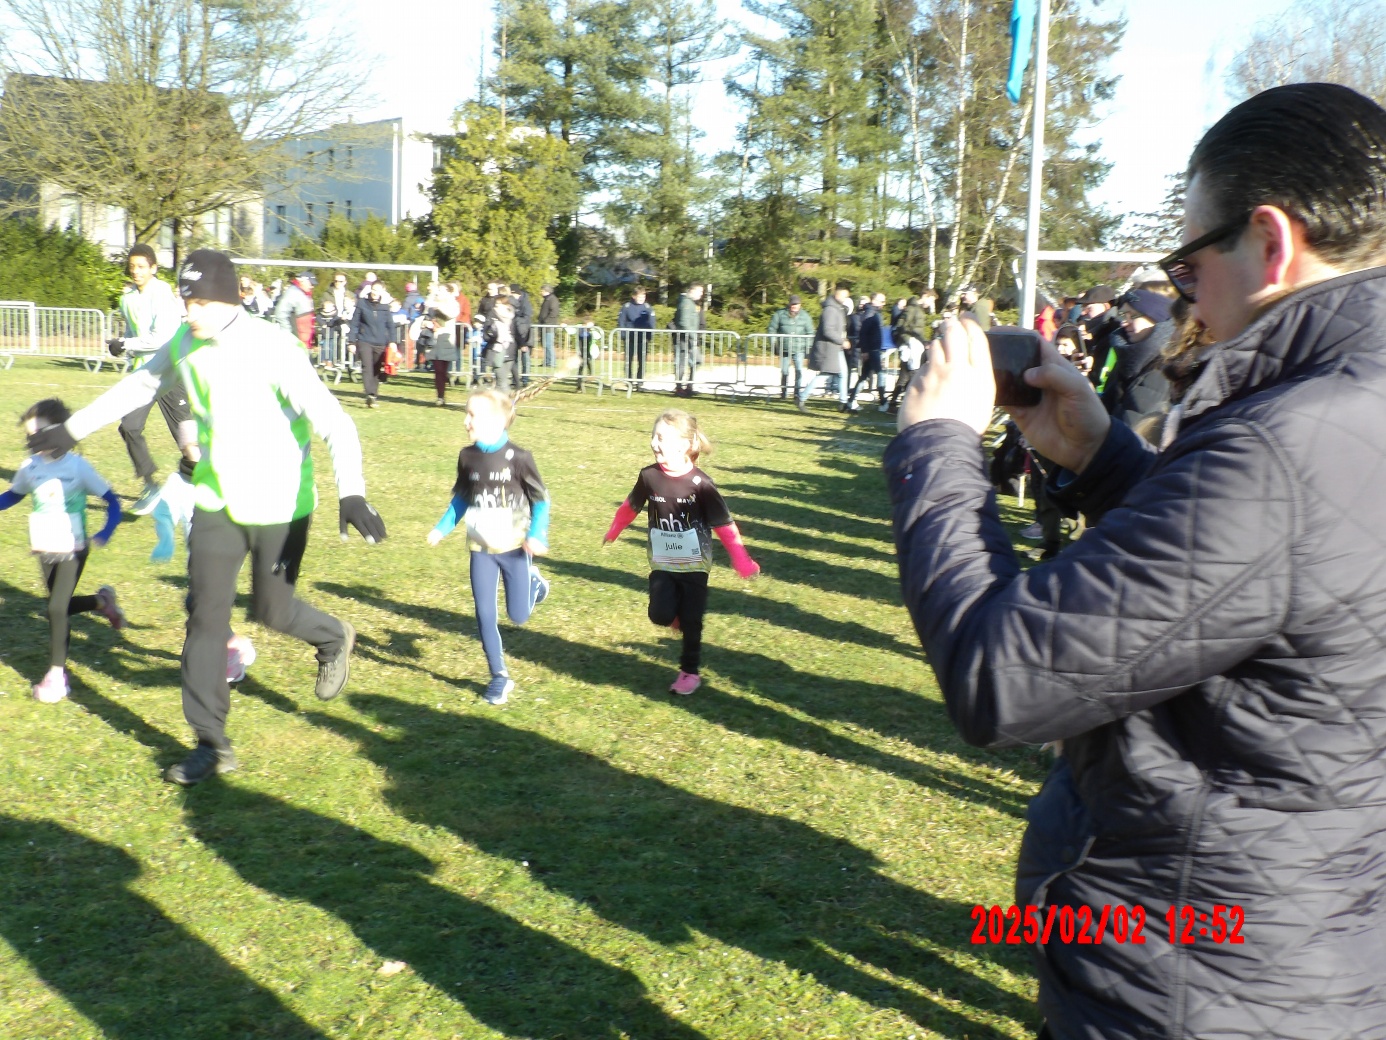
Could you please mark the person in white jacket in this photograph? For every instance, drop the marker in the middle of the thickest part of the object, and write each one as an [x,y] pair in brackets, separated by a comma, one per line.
[152,313]
[256,399]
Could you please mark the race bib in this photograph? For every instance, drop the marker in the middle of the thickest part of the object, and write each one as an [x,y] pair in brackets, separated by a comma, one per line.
[675,546]
[52,533]
[493,527]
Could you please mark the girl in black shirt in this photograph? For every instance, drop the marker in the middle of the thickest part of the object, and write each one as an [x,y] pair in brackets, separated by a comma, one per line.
[685,508]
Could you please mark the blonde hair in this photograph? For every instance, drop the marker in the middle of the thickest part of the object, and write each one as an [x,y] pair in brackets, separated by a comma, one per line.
[687,426]
[500,401]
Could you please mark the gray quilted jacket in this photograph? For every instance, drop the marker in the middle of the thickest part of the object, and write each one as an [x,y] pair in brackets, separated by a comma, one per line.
[1212,653]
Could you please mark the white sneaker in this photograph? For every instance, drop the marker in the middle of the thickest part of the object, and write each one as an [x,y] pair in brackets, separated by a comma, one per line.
[1033,533]
[52,687]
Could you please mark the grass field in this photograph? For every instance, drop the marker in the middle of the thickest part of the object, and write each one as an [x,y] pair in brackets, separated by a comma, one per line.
[794,851]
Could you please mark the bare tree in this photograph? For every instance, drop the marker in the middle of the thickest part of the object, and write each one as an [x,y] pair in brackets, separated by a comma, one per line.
[167,109]
[1326,41]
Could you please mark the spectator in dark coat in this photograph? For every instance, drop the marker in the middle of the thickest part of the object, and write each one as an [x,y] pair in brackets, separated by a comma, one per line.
[793,331]
[1137,391]
[1212,651]
[372,330]
[524,328]
[829,353]
[636,320]
[548,319]
[688,321]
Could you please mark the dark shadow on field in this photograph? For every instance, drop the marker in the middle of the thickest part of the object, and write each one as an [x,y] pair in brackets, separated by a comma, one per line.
[599,666]
[515,979]
[69,912]
[6,473]
[738,601]
[651,857]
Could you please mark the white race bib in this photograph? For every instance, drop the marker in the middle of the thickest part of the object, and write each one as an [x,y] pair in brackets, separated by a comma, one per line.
[52,533]
[675,546]
[492,527]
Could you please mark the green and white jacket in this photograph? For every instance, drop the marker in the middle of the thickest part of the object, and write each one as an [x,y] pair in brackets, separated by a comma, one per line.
[256,398]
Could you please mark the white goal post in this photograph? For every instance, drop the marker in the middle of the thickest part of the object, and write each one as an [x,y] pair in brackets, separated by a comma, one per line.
[302,265]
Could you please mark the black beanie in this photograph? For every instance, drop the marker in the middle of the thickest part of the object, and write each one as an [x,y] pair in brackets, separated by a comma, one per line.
[209,275]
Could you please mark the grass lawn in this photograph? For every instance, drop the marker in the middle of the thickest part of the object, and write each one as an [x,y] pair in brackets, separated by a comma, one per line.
[793,851]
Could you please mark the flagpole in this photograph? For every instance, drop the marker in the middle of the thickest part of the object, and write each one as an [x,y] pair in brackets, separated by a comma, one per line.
[1028,290]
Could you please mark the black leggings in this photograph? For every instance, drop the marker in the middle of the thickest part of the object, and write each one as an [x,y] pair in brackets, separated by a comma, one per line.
[681,595]
[440,378]
[61,578]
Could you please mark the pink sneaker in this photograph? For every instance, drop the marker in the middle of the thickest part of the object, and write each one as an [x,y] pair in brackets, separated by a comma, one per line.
[108,608]
[52,688]
[240,655]
[675,626]
[686,683]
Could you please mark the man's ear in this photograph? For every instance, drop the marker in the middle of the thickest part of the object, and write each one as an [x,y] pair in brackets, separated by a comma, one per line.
[1279,243]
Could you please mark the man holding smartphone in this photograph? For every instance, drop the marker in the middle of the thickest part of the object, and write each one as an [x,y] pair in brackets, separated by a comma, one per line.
[1211,655]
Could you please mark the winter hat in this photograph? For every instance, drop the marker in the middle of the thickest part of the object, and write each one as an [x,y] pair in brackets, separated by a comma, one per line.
[793,300]
[209,275]
[1148,304]
[1097,294]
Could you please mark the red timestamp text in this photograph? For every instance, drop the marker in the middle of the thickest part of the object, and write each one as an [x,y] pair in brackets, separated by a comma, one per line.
[1080,925]
[1222,924]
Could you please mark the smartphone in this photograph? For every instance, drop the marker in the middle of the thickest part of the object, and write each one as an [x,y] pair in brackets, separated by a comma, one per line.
[1013,351]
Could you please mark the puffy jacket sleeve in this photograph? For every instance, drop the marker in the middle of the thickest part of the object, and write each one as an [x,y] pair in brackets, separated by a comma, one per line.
[1182,581]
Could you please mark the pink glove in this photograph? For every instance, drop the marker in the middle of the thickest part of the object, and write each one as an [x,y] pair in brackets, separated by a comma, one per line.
[740,559]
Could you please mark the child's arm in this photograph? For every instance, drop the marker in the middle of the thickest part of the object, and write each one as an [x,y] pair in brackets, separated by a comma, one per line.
[112,519]
[629,510]
[10,498]
[451,516]
[736,549]
[537,540]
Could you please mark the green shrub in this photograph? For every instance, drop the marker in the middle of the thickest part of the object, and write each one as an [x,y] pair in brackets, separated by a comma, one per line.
[55,268]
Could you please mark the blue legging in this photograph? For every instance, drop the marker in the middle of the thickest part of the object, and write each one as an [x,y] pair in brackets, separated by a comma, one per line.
[488,570]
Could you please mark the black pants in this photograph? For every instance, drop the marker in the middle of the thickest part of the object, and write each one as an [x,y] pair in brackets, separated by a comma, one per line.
[372,358]
[61,577]
[682,595]
[440,378]
[174,405]
[216,549]
[637,343]
[870,366]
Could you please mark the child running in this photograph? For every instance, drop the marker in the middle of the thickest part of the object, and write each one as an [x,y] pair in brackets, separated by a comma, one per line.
[684,506]
[59,485]
[504,505]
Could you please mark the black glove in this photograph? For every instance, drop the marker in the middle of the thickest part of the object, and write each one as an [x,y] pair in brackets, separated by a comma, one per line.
[116,346]
[54,439]
[291,556]
[354,510]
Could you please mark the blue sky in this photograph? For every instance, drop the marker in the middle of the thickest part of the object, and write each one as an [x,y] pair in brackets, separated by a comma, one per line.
[1172,65]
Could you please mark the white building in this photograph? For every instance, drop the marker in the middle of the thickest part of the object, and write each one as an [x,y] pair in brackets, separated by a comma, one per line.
[358,170]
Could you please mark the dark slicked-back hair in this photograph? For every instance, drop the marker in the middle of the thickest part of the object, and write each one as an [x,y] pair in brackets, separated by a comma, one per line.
[1316,151]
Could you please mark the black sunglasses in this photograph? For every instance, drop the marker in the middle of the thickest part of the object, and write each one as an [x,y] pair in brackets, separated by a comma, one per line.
[1176,265]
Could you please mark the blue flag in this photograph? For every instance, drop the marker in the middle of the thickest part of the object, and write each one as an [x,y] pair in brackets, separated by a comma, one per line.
[1023,14]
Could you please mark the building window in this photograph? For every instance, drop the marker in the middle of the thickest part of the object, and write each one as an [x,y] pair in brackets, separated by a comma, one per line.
[330,207]
[348,205]
[438,156]
[351,158]
[332,158]
[309,210]
[278,220]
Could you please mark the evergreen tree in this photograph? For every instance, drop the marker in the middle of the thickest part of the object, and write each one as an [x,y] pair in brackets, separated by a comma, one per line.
[502,189]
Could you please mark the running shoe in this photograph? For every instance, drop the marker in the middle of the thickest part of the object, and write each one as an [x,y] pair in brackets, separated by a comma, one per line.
[108,608]
[52,687]
[149,498]
[204,761]
[686,683]
[332,676]
[1034,532]
[538,587]
[498,689]
[240,655]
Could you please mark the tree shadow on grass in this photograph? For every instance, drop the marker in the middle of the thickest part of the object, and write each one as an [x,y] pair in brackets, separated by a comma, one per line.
[651,857]
[599,666]
[69,911]
[515,979]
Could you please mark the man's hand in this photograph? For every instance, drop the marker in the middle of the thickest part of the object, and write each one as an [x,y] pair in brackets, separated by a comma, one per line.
[116,346]
[956,381]
[354,510]
[53,439]
[1069,424]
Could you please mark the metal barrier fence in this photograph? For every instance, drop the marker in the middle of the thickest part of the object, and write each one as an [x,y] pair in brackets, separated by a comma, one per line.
[55,332]
[18,329]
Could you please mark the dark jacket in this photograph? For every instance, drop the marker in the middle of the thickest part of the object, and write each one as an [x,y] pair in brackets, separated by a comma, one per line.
[372,322]
[1137,388]
[686,316]
[524,314]
[800,326]
[636,316]
[869,331]
[828,341]
[1212,652]
[549,310]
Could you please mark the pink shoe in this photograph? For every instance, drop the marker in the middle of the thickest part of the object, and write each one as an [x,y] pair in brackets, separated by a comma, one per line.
[686,683]
[240,655]
[675,626]
[108,608]
[52,688]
